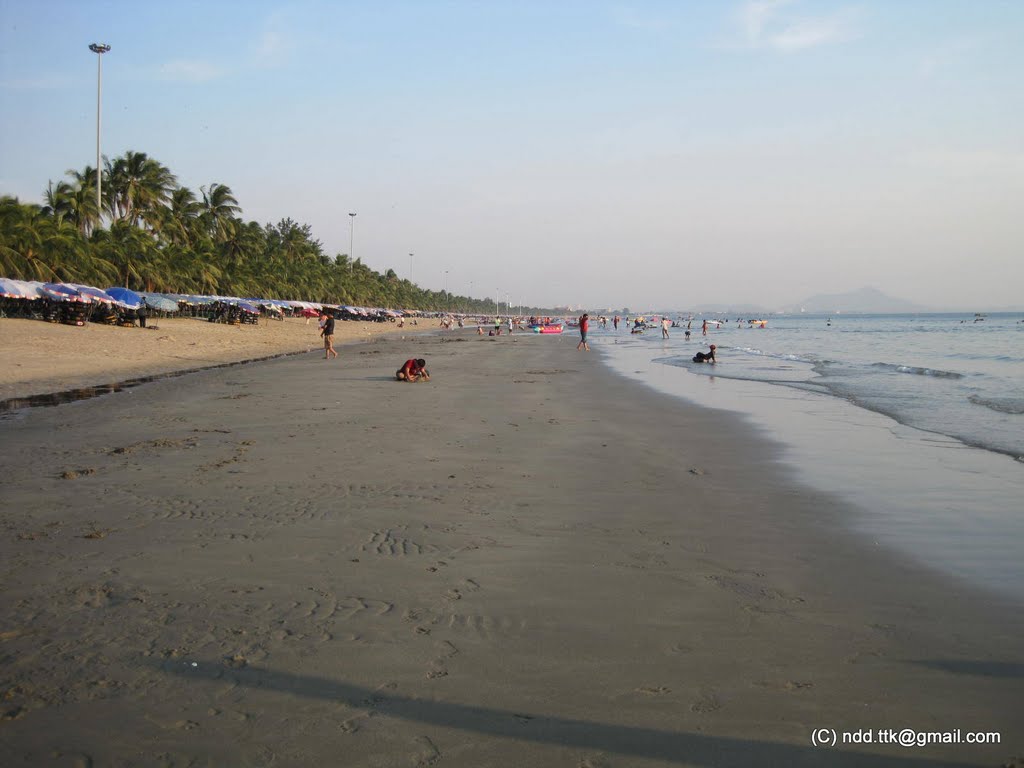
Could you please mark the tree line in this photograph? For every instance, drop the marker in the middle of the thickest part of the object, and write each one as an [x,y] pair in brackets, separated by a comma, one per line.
[151,234]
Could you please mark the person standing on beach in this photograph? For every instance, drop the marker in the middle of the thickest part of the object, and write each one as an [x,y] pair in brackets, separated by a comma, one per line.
[584,327]
[704,329]
[664,327]
[141,314]
[328,333]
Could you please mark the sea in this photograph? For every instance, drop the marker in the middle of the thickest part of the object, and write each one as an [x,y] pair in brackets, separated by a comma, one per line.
[915,421]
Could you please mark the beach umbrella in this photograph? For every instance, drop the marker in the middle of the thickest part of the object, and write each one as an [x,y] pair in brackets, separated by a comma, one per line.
[18,289]
[247,307]
[161,304]
[62,292]
[125,297]
[310,313]
[93,293]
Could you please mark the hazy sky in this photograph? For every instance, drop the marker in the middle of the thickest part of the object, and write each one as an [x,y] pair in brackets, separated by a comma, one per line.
[649,154]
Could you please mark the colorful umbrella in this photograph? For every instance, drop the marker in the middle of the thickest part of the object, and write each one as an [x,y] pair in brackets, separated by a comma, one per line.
[125,297]
[62,292]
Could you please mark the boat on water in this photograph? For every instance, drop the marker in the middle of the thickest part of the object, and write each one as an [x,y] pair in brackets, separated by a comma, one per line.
[546,328]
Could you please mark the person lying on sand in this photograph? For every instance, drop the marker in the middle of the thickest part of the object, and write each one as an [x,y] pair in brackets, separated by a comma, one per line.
[413,370]
[705,357]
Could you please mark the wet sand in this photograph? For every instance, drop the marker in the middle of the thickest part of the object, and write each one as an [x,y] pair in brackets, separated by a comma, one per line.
[527,561]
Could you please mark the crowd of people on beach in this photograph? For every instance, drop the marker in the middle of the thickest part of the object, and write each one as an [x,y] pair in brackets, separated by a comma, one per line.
[641,324]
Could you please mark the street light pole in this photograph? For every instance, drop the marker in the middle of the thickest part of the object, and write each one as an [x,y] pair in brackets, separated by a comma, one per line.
[99,49]
[410,267]
[447,301]
[351,240]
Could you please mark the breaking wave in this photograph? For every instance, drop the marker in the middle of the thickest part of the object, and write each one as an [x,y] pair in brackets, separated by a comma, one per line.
[1010,405]
[918,371]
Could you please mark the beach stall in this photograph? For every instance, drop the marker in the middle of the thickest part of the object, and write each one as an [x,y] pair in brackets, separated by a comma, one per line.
[18,298]
[65,304]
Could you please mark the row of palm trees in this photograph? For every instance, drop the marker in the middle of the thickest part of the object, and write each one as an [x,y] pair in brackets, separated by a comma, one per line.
[153,235]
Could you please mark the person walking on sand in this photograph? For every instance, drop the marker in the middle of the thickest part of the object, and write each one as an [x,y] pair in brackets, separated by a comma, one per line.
[664,327]
[328,333]
[584,327]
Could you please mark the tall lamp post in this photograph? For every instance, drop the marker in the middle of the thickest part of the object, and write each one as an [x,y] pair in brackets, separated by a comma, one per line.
[99,49]
[410,267]
[447,302]
[351,240]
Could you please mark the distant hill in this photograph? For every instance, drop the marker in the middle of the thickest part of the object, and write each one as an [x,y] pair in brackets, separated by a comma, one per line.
[864,300]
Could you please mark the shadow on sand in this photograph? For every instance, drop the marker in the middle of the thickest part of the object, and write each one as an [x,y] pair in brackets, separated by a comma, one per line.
[668,746]
[1002,669]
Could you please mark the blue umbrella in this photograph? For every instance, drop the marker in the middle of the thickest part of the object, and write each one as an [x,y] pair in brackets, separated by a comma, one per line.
[129,299]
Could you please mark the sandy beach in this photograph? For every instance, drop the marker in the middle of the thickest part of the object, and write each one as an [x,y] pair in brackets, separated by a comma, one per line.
[43,358]
[528,561]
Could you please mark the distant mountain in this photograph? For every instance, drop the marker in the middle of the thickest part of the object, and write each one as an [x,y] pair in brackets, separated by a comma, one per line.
[864,300]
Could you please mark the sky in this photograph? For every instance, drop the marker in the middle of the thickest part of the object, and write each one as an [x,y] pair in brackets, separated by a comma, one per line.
[595,154]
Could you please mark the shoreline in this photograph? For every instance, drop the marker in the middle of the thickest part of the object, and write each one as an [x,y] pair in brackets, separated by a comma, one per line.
[524,558]
[936,498]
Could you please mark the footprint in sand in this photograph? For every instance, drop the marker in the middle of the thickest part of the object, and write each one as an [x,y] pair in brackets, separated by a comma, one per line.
[427,753]
[439,666]
[653,690]
[708,702]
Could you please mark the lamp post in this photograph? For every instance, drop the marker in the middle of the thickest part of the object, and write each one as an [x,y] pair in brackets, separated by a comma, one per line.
[99,49]
[447,302]
[410,267]
[351,240]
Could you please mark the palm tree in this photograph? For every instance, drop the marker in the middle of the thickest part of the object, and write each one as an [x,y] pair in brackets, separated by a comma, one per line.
[35,245]
[219,209]
[58,201]
[133,253]
[181,217]
[138,186]
[83,200]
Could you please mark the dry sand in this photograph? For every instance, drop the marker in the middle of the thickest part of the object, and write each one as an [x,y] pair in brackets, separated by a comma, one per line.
[525,562]
[43,357]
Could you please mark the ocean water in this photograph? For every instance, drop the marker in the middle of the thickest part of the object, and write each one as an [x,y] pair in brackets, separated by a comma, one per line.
[916,420]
